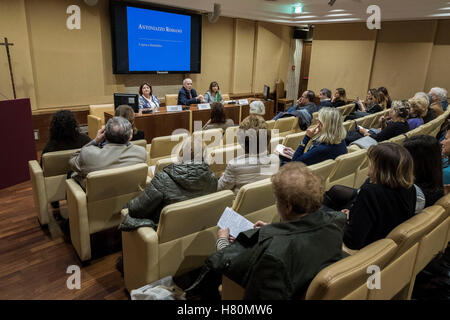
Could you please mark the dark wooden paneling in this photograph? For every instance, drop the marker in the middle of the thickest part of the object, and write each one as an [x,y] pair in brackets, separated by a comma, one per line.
[304,70]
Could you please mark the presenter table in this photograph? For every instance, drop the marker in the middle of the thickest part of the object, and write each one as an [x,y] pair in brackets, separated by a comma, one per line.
[164,123]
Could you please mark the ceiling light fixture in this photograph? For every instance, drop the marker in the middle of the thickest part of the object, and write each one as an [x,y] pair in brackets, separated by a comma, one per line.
[447,8]
[337,10]
[298,8]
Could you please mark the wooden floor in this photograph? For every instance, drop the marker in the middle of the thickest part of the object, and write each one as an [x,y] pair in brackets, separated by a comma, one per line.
[34,261]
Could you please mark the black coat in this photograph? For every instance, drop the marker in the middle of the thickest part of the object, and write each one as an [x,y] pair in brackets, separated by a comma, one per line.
[177,182]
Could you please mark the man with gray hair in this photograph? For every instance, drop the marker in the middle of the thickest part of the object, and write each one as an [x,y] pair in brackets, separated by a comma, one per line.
[437,96]
[325,98]
[187,95]
[110,149]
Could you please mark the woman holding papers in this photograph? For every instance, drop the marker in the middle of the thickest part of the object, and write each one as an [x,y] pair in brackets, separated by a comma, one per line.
[187,179]
[146,98]
[213,94]
[218,118]
[279,260]
[328,140]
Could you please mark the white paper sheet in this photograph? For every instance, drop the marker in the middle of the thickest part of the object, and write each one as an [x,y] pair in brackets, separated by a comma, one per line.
[233,220]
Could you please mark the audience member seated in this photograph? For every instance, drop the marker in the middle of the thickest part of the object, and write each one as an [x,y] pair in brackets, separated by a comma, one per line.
[418,110]
[325,98]
[385,200]
[187,95]
[430,115]
[386,95]
[147,101]
[426,153]
[64,133]
[110,149]
[446,166]
[339,98]
[391,126]
[305,102]
[278,261]
[187,179]
[213,94]
[218,118]
[255,164]
[257,108]
[125,111]
[437,96]
[328,139]
[375,102]
[444,103]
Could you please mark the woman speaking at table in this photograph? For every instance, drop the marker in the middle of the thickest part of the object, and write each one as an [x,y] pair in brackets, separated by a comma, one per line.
[213,94]
[146,98]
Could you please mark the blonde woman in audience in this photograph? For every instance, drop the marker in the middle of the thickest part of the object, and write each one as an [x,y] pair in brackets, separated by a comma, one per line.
[277,261]
[418,110]
[430,115]
[255,164]
[328,139]
[189,178]
[218,118]
[125,111]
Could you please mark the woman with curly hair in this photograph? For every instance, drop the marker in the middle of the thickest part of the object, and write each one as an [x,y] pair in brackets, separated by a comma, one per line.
[64,133]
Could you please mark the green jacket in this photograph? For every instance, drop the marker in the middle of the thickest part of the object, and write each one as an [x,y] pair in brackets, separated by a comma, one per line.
[278,261]
[177,182]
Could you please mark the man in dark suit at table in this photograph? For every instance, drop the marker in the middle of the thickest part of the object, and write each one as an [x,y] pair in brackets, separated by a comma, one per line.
[187,95]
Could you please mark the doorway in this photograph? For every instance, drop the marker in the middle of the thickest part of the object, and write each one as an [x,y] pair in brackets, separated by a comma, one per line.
[304,69]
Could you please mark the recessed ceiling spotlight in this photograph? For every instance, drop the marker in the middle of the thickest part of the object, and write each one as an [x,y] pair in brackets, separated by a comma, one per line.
[447,8]
[339,15]
[337,10]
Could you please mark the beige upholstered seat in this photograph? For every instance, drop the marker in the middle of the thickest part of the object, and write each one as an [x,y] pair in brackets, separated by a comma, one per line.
[293,140]
[346,167]
[161,147]
[254,196]
[270,124]
[98,208]
[347,109]
[376,123]
[368,120]
[185,237]
[226,97]
[171,99]
[96,117]
[399,277]
[141,143]
[437,123]
[347,278]
[362,174]
[212,137]
[349,125]
[218,158]
[285,126]
[323,169]
[398,139]
[230,136]
[48,182]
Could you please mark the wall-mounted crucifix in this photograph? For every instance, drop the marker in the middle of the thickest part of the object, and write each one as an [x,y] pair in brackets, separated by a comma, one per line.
[7,45]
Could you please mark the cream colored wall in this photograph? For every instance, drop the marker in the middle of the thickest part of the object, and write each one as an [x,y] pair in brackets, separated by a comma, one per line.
[271,56]
[342,56]
[13,25]
[61,68]
[403,56]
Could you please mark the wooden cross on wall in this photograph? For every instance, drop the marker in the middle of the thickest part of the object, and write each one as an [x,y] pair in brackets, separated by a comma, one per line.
[7,45]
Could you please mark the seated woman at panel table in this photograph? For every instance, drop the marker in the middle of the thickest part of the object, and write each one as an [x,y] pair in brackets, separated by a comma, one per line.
[189,178]
[384,201]
[328,139]
[255,164]
[146,98]
[278,261]
[213,94]
[218,118]
[125,111]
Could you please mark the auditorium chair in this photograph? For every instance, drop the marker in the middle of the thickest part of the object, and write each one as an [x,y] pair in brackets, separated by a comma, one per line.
[323,169]
[398,278]
[347,279]
[398,139]
[254,196]
[185,237]
[444,202]
[212,137]
[270,124]
[285,126]
[347,109]
[376,123]
[293,140]
[171,99]
[346,167]
[230,136]
[218,158]
[437,123]
[161,147]
[48,181]
[225,97]
[96,117]
[349,125]
[362,174]
[98,208]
